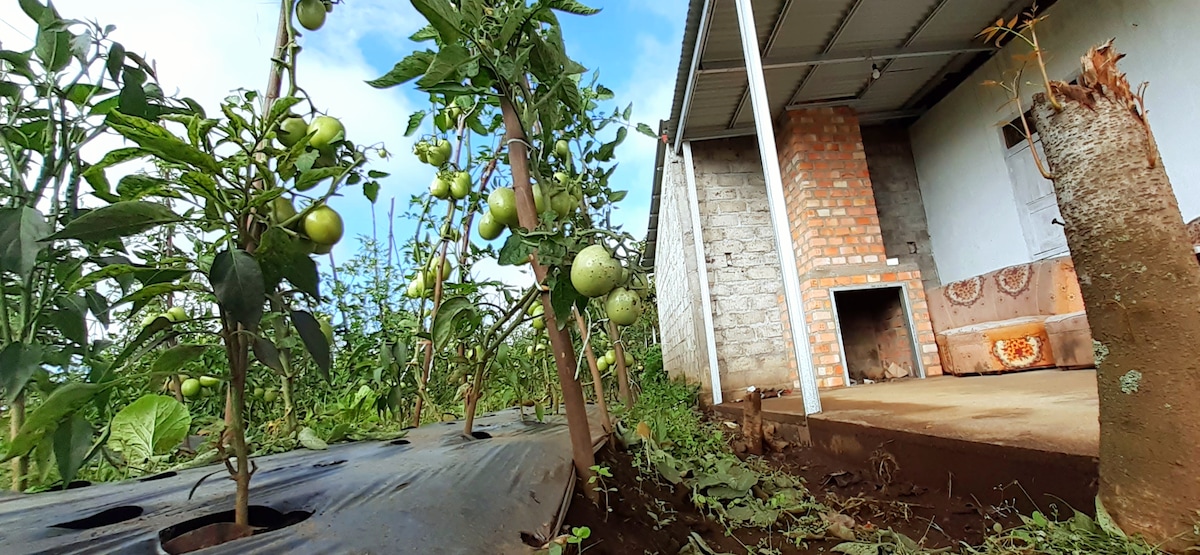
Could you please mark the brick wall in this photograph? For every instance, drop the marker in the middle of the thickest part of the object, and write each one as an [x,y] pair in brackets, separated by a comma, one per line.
[681,325]
[898,198]
[743,267]
[836,229]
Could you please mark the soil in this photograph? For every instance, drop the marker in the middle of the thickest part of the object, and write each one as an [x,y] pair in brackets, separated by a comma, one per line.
[865,494]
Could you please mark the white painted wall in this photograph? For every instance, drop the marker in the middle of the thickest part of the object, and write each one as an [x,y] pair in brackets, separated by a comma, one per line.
[969,200]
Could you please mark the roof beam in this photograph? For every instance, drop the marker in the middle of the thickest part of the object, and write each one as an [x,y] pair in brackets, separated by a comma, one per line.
[701,38]
[829,59]
[776,30]
[720,132]
[845,22]
[907,43]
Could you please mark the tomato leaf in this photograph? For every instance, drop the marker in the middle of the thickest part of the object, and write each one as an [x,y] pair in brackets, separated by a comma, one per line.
[515,251]
[268,354]
[115,61]
[69,318]
[426,33]
[72,444]
[617,196]
[115,221]
[18,362]
[445,66]
[310,440]
[571,6]
[20,231]
[53,48]
[314,340]
[65,400]
[237,282]
[171,360]
[152,425]
[647,131]
[449,316]
[282,256]
[161,142]
[158,324]
[443,17]
[411,67]
[95,174]
[136,186]
[371,191]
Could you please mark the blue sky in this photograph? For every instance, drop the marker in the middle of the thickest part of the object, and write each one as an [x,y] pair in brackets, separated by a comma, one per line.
[205,48]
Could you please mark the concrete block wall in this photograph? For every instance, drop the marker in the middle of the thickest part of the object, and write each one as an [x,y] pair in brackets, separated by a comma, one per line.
[743,267]
[681,324]
[898,198]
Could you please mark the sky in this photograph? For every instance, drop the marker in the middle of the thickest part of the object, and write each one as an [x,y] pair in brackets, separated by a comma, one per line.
[206,48]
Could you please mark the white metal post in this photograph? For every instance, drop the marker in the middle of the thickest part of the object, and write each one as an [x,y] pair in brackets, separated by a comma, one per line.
[693,192]
[777,202]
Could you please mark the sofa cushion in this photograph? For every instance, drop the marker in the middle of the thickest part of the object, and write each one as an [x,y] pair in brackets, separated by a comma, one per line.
[993,347]
[1071,340]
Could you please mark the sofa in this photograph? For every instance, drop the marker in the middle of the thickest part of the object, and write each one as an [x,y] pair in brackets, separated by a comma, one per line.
[1025,317]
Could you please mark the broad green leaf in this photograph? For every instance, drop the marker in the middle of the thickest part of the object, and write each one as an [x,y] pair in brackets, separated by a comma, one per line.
[445,66]
[152,425]
[81,93]
[472,12]
[18,62]
[414,122]
[311,177]
[98,305]
[282,256]
[53,48]
[447,319]
[96,177]
[371,191]
[563,296]
[411,67]
[38,12]
[515,251]
[161,142]
[72,443]
[237,282]
[572,6]
[144,295]
[171,360]
[69,318]
[20,231]
[426,33]
[310,440]
[116,221]
[137,186]
[443,17]
[115,61]
[1106,522]
[18,362]
[268,354]
[132,100]
[647,131]
[314,340]
[617,196]
[158,324]
[280,107]
[65,400]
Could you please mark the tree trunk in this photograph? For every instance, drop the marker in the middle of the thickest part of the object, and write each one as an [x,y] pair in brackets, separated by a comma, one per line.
[1141,286]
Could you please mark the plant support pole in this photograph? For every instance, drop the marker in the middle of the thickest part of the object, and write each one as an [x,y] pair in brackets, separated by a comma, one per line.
[585,336]
[560,340]
[614,334]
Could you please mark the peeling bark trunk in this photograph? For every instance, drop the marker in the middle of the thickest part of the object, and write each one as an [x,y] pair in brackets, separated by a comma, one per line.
[1141,286]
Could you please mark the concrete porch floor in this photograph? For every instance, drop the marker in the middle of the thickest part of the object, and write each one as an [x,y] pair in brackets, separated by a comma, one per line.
[1049,410]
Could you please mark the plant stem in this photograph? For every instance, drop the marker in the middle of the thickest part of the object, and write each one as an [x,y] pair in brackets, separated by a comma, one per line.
[585,335]
[1050,95]
[20,465]
[473,398]
[614,335]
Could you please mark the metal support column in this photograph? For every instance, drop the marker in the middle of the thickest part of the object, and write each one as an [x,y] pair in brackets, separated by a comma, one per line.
[706,308]
[777,203]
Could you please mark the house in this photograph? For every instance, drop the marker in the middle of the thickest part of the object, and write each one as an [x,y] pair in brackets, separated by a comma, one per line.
[845,201]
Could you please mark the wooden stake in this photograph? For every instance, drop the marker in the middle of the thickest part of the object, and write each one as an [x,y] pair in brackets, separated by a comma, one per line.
[752,422]
[614,335]
[585,335]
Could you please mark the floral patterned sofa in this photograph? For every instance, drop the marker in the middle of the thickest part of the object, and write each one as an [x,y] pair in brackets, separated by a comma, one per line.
[1022,317]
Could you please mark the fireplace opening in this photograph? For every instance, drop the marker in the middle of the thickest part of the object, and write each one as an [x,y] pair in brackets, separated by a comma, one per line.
[873,329]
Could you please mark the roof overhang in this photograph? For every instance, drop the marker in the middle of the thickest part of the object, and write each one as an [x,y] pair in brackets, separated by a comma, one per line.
[890,60]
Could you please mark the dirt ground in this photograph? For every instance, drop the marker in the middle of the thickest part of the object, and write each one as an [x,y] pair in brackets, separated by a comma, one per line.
[866,494]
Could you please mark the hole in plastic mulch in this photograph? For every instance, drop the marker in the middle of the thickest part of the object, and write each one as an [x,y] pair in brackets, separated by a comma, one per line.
[103,518]
[217,528]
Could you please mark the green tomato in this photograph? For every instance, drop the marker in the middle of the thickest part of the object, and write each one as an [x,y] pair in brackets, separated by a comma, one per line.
[602,364]
[502,204]
[439,153]
[540,201]
[591,271]
[150,319]
[529,350]
[324,226]
[209,381]
[282,210]
[258,392]
[562,149]
[489,228]
[177,314]
[431,272]
[440,188]
[270,396]
[326,130]
[611,357]
[628,359]
[416,287]
[461,186]
[291,131]
[563,204]
[623,306]
[190,388]
[311,14]
[539,323]
[319,248]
